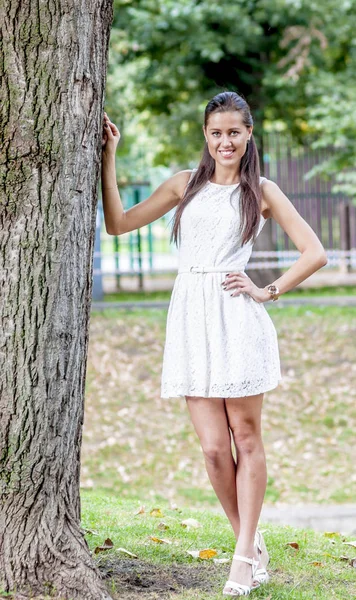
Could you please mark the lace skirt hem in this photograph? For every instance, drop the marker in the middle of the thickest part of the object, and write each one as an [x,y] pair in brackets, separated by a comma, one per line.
[218,391]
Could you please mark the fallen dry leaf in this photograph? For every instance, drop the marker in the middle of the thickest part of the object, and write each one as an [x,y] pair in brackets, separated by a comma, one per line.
[294,545]
[335,557]
[221,561]
[351,561]
[127,552]
[353,543]
[156,512]
[202,554]
[316,563]
[163,526]
[191,524]
[331,534]
[108,544]
[193,553]
[90,531]
[140,511]
[159,540]
[208,553]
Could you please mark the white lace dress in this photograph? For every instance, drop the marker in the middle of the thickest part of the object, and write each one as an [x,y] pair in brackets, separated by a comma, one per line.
[216,345]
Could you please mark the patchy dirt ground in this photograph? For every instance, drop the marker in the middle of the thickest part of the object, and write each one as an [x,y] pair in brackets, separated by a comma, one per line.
[139,445]
[132,579]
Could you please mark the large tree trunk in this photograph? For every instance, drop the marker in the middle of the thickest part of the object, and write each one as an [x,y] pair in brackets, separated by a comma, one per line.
[52,86]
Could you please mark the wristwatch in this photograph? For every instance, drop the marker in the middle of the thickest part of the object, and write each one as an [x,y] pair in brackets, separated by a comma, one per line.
[273,291]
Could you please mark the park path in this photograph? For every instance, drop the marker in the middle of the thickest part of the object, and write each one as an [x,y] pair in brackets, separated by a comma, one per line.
[338,518]
[334,517]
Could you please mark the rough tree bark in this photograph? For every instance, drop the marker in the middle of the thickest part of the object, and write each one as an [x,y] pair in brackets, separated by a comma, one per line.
[52,66]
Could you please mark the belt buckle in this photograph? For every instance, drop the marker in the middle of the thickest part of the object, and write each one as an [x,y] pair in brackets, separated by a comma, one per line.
[192,271]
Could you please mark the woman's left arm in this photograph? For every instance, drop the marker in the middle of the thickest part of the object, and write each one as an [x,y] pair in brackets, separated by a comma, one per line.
[313,255]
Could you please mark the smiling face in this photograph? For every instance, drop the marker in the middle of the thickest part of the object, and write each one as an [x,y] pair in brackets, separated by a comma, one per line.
[227,137]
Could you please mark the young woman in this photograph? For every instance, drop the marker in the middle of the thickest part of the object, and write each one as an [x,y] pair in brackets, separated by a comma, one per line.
[221,349]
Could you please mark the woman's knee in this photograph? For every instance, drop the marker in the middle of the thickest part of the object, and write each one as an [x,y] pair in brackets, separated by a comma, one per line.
[216,452]
[244,416]
[247,439]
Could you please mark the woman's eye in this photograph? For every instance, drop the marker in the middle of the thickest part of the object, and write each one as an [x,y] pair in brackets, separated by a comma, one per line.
[217,133]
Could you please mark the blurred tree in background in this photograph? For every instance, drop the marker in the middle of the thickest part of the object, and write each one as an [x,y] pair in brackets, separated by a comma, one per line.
[294,61]
[332,119]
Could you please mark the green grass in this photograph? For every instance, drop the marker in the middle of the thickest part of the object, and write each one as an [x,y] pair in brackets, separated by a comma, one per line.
[322,567]
[138,296]
[126,296]
[165,570]
[339,290]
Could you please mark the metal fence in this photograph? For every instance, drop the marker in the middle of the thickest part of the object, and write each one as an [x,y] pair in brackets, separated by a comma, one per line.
[286,163]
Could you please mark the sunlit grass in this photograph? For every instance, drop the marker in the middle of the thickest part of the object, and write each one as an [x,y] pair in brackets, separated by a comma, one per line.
[319,568]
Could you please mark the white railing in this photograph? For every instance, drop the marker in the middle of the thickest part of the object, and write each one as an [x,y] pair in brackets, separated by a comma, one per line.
[168,263]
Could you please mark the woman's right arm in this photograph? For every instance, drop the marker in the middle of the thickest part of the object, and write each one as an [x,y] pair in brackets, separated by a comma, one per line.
[118,220]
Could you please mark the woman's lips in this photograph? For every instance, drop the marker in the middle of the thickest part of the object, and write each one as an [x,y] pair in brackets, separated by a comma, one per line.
[226,153]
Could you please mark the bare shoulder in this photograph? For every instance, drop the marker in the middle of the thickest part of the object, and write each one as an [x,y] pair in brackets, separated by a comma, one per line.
[268,185]
[179,181]
[278,207]
[272,196]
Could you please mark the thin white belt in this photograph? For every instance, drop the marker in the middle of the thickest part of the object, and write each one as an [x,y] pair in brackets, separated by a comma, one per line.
[204,269]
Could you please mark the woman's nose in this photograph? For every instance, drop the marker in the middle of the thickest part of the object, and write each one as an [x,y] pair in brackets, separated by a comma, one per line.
[226,142]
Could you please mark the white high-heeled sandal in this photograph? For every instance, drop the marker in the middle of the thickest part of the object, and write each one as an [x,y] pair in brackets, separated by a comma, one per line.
[239,589]
[261,575]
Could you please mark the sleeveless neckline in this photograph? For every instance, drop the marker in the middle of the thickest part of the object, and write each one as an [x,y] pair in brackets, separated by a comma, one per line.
[221,185]
[230,185]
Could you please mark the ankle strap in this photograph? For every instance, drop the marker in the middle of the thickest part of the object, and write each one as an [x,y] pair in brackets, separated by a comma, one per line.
[258,540]
[250,561]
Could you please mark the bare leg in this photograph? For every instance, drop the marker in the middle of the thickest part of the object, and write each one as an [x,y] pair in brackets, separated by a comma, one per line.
[210,421]
[244,416]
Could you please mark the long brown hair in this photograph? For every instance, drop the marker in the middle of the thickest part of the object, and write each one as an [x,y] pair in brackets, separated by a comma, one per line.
[250,191]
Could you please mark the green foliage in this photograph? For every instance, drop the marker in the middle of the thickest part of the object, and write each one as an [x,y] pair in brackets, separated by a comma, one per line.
[333,121]
[287,57]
